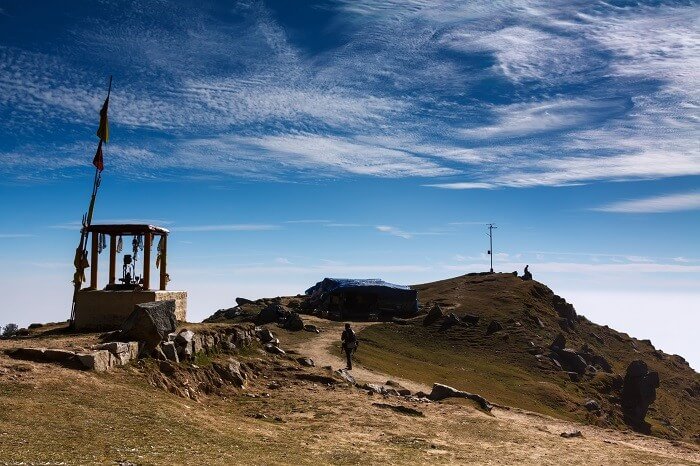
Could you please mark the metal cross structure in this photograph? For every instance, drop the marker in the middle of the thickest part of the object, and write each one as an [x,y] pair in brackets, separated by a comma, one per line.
[491,227]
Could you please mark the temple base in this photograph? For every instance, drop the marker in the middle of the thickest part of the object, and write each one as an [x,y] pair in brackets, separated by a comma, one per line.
[106,310]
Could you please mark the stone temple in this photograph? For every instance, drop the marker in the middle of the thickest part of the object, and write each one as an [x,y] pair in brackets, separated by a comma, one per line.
[107,308]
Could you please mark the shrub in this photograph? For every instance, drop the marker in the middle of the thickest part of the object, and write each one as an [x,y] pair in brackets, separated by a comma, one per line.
[9,330]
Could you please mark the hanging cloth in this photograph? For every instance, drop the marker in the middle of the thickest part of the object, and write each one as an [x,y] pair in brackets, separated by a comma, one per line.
[135,246]
[120,245]
[101,243]
[160,251]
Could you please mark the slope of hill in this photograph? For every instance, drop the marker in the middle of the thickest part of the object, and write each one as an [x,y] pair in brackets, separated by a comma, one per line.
[512,365]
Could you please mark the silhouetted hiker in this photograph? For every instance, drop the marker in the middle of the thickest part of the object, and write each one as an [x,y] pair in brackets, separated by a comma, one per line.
[526,274]
[349,340]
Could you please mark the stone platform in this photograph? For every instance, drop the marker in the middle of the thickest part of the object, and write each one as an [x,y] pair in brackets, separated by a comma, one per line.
[106,310]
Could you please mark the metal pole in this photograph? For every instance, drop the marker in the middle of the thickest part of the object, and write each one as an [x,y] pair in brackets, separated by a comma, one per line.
[491,226]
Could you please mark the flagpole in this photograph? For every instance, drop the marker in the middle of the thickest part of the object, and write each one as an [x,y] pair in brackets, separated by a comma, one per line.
[81,251]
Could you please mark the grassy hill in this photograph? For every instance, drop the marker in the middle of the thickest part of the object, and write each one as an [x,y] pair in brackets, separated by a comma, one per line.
[504,366]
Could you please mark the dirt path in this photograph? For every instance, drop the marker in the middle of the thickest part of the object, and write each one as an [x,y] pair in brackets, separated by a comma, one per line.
[617,443]
[318,350]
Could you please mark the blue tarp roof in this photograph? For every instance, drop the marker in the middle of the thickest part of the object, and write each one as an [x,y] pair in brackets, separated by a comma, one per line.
[330,284]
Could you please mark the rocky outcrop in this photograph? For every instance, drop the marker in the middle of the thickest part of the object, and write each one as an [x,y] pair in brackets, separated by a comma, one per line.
[638,392]
[494,326]
[440,392]
[293,322]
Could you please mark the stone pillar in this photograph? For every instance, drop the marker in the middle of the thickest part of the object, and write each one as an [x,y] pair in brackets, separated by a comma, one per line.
[93,260]
[148,239]
[163,263]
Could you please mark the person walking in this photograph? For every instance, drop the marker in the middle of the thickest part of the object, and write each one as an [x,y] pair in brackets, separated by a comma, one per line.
[349,344]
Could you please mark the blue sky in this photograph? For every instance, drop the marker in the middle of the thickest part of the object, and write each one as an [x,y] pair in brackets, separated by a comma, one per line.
[282,142]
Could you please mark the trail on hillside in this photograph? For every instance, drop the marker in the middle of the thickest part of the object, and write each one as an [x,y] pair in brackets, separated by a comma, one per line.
[325,350]
[319,350]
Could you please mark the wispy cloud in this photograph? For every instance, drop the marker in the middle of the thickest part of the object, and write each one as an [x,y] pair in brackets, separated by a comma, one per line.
[16,235]
[231,227]
[657,204]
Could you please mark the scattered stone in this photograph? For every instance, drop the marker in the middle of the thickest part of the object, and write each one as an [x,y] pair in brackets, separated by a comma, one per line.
[293,322]
[307,362]
[433,315]
[400,409]
[345,375]
[270,348]
[470,319]
[403,391]
[150,323]
[572,434]
[311,328]
[265,335]
[98,361]
[592,405]
[572,360]
[638,392]
[170,351]
[559,343]
[440,392]
[494,327]
[271,314]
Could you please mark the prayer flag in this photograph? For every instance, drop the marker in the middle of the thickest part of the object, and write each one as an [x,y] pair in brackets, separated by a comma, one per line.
[98,161]
[103,130]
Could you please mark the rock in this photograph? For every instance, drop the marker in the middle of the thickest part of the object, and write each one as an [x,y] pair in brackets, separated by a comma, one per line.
[440,392]
[471,319]
[271,314]
[373,388]
[293,322]
[345,375]
[433,315]
[538,321]
[494,327]
[452,319]
[400,409]
[184,343]
[242,301]
[170,351]
[307,362]
[98,361]
[559,343]
[150,323]
[575,433]
[122,352]
[571,360]
[33,326]
[574,376]
[23,332]
[275,342]
[270,348]
[400,389]
[598,338]
[265,335]
[592,405]
[231,372]
[311,328]
[638,392]
[563,309]
[59,355]
[184,338]
[400,321]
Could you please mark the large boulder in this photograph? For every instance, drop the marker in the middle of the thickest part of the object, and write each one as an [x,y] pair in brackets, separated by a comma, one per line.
[571,360]
[293,322]
[564,309]
[271,314]
[150,323]
[559,343]
[98,361]
[433,315]
[638,392]
[242,301]
[440,392]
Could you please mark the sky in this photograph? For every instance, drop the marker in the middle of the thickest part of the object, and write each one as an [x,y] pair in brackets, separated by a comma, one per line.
[283,142]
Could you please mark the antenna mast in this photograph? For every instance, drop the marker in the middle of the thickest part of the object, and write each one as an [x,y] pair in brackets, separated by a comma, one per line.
[491,227]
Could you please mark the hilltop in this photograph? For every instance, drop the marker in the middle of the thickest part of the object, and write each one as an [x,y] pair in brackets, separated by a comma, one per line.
[512,365]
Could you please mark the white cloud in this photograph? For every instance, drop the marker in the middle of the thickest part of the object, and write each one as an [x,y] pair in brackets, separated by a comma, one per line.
[657,204]
[462,185]
[16,235]
[231,227]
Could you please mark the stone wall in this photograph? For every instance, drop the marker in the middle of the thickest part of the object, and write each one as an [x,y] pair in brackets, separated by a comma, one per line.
[107,310]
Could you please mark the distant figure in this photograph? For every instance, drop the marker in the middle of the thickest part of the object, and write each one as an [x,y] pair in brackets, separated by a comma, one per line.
[349,340]
[526,274]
